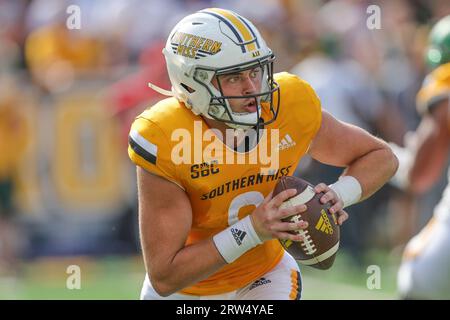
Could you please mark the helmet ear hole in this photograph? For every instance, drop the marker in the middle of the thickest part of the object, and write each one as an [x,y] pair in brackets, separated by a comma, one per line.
[187,88]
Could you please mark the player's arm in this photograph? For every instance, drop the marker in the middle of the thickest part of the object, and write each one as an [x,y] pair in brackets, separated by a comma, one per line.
[429,147]
[165,219]
[366,158]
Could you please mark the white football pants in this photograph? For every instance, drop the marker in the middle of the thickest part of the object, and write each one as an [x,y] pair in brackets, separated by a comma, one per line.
[283,282]
[425,269]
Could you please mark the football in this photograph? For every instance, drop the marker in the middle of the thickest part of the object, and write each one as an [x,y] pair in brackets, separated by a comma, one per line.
[321,237]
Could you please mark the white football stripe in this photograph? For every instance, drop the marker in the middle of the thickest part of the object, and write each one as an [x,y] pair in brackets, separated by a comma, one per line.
[144,143]
[322,257]
[301,198]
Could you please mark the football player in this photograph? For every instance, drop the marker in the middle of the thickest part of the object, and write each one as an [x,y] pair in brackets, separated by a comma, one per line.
[425,269]
[208,223]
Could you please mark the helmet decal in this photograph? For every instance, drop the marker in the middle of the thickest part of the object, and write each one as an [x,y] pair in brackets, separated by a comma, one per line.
[192,46]
[245,35]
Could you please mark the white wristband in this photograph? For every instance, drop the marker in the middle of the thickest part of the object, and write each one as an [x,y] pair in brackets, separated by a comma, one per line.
[236,240]
[348,189]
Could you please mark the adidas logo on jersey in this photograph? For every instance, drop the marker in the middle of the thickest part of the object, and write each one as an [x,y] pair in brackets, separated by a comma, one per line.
[259,282]
[238,235]
[286,142]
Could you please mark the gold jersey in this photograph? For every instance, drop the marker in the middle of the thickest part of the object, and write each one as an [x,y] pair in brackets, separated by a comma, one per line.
[435,88]
[222,192]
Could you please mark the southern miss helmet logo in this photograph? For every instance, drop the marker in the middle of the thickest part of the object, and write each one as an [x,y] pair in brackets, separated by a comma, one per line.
[192,46]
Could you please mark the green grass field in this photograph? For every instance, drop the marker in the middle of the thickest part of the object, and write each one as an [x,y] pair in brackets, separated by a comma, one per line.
[346,280]
[121,278]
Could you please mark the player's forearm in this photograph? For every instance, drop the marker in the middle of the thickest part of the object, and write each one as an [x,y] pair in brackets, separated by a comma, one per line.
[426,169]
[425,154]
[189,265]
[430,155]
[373,170]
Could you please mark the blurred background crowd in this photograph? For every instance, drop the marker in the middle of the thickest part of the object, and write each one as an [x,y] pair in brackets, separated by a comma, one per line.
[68,96]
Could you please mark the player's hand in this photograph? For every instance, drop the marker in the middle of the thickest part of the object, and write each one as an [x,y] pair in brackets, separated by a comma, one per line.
[331,197]
[267,218]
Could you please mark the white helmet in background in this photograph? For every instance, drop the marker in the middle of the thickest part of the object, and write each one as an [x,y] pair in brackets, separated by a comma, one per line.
[210,43]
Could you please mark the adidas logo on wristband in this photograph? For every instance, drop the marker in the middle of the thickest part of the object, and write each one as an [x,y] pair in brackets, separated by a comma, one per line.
[238,235]
[236,239]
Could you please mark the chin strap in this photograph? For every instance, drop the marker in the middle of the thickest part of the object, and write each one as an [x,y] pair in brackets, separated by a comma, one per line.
[161,90]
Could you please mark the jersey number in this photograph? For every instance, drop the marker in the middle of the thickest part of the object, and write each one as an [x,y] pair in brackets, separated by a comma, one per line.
[245,199]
